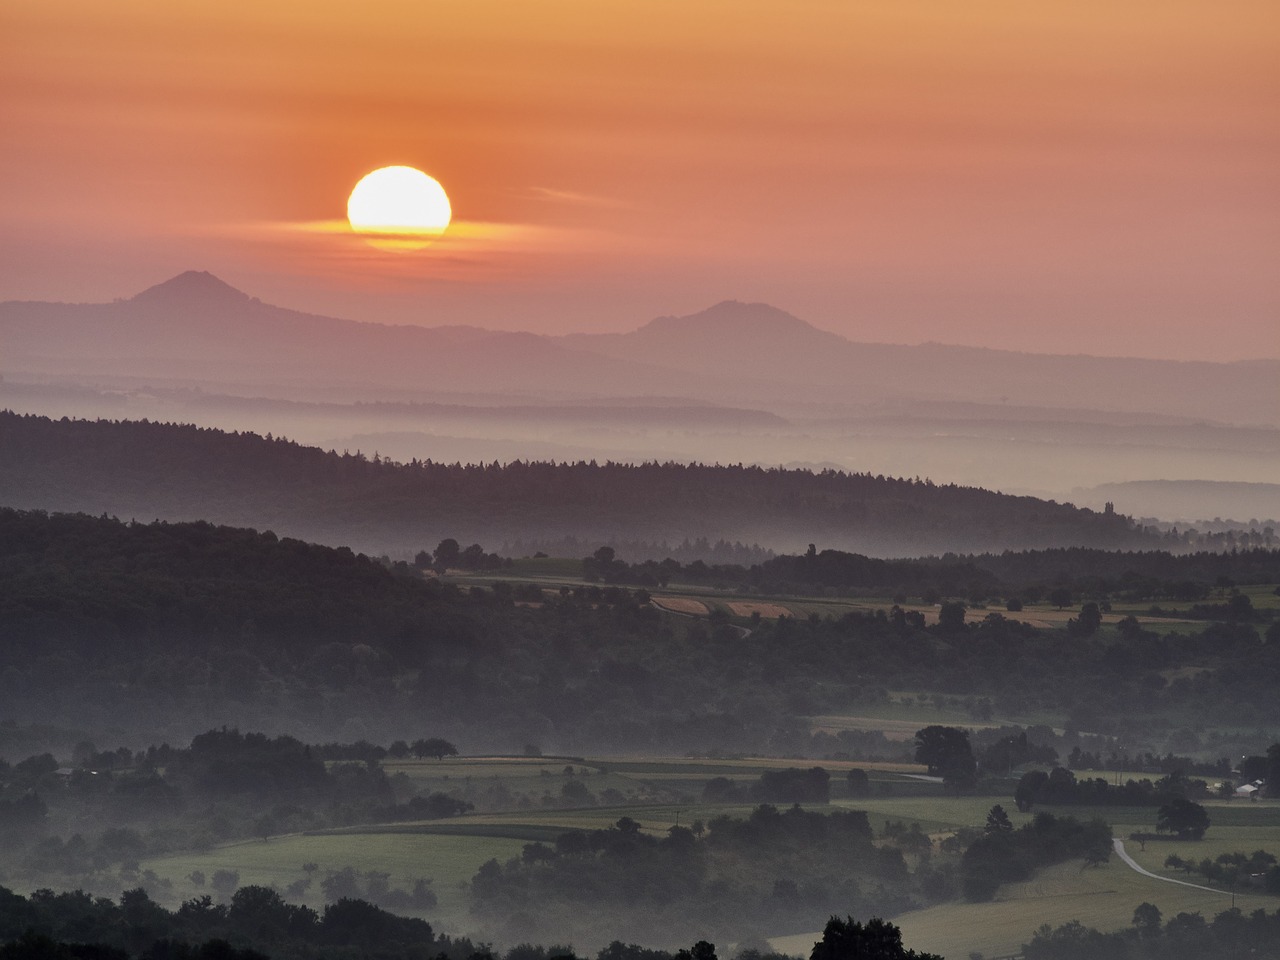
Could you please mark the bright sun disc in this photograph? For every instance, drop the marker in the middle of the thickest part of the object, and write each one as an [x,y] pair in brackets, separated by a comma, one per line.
[399,208]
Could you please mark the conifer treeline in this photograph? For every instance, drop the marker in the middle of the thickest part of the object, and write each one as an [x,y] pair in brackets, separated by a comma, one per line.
[147,470]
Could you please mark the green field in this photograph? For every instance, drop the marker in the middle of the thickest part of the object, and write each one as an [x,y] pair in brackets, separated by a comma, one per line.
[1102,897]
[449,852]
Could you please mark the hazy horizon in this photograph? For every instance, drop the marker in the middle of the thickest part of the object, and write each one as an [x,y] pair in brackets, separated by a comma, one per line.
[1045,179]
[620,325]
[618,410]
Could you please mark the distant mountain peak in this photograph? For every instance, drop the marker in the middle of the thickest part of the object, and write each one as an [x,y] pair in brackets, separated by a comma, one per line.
[734,318]
[736,311]
[745,308]
[193,287]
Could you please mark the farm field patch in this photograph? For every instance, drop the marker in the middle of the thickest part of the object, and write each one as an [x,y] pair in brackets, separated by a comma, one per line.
[747,608]
[684,605]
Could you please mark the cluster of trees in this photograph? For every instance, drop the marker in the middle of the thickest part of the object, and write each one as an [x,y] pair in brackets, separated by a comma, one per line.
[1062,577]
[1083,759]
[112,808]
[1005,855]
[774,868]
[258,924]
[449,555]
[1060,786]
[364,751]
[1228,869]
[877,939]
[1231,935]
[948,753]
[686,551]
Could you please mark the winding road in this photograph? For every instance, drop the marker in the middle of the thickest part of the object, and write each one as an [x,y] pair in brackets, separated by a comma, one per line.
[1123,854]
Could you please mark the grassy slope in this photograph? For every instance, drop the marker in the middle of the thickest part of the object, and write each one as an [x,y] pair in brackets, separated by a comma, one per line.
[450,852]
[1103,897]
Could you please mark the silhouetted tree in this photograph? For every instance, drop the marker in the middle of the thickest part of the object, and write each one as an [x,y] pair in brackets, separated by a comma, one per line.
[434,747]
[945,751]
[877,939]
[1186,819]
[998,821]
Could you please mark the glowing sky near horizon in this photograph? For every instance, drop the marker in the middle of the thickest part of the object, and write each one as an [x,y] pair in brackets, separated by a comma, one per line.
[1091,177]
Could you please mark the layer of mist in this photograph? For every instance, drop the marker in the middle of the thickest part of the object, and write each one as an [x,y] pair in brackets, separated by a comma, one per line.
[738,383]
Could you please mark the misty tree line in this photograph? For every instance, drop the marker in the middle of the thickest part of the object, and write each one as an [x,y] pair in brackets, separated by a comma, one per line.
[153,468]
[171,625]
[1066,575]
[1230,935]
[713,553]
[775,868]
[93,822]
[1257,869]
[258,924]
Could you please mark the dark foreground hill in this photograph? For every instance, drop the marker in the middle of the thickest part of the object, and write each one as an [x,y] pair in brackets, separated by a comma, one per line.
[151,471]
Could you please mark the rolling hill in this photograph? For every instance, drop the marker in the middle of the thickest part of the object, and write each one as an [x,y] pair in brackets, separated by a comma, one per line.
[150,471]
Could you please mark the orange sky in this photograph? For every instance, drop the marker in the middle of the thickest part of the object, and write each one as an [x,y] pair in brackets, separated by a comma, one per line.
[1094,176]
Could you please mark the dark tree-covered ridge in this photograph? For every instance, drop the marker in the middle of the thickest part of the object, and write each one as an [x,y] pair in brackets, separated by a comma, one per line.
[192,626]
[147,470]
[81,578]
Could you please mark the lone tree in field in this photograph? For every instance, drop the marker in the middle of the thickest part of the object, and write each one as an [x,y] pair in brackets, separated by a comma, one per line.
[434,747]
[998,821]
[951,616]
[945,751]
[1183,818]
[447,553]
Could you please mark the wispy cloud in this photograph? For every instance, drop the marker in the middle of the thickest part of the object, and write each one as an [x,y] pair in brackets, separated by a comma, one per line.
[468,250]
[553,195]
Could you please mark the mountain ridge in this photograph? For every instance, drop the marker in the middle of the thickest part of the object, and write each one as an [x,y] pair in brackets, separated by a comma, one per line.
[195,325]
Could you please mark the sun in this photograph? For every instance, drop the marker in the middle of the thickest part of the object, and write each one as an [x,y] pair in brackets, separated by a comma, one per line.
[399,208]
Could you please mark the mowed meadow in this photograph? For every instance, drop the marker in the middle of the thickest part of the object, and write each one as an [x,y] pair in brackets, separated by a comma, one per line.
[1102,897]
[448,853]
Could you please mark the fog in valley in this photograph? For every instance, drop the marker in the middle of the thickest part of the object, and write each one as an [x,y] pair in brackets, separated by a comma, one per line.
[443,640]
[639,481]
[739,383]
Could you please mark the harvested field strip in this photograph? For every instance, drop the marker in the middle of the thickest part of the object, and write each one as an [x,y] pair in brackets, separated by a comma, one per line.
[745,608]
[682,605]
[717,768]
[515,831]
[892,729]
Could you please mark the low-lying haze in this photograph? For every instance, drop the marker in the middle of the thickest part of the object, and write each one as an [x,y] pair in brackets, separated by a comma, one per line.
[737,383]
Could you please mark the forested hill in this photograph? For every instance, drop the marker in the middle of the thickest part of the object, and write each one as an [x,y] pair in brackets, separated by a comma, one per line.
[151,471]
[88,582]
